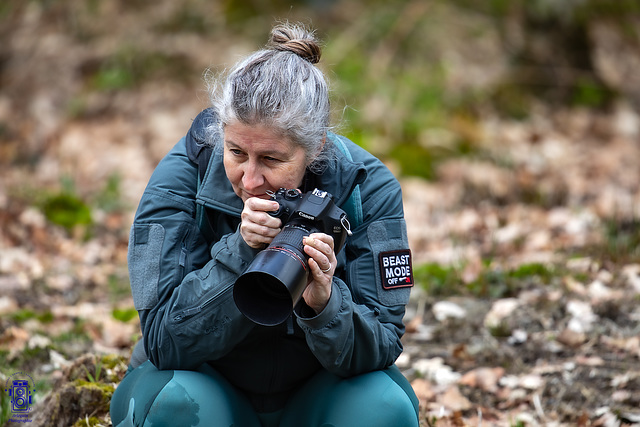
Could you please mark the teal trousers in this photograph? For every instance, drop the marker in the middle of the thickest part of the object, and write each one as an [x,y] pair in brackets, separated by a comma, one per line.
[149,397]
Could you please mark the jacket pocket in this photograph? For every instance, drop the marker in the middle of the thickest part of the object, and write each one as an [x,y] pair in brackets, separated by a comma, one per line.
[144,254]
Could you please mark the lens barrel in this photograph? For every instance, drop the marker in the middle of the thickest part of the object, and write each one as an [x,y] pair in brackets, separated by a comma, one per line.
[272,285]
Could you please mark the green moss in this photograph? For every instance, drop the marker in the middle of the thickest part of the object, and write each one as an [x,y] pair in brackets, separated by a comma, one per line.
[500,330]
[97,394]
[106,389]
[591,94]
[67,210]
[22,315]
[621,243]
[438,280]
[535,269]
[111,361]
[414,160]
[124,314]
[82,399]
[46,317]
[88,422]
[498,283]
[5,408]
[441,280]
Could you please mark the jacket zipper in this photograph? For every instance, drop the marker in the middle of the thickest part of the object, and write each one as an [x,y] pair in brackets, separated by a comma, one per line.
[184,257]
[190,312]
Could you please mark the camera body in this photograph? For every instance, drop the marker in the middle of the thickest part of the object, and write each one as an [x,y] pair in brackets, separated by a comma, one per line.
[274,281]
[313,211]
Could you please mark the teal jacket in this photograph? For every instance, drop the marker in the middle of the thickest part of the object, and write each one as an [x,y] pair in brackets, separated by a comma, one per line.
[182,286]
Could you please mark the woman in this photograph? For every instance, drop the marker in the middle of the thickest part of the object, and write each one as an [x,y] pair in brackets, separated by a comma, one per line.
[203,362]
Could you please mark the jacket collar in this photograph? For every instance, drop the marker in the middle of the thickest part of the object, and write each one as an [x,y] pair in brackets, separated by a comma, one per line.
[339,179]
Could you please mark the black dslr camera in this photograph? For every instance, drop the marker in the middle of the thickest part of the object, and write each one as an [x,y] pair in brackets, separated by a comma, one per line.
[273,284]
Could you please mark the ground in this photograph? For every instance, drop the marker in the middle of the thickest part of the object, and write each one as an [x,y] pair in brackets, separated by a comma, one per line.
[522,314]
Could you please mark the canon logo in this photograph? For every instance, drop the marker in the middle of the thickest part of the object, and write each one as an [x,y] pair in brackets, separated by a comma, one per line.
[304,215]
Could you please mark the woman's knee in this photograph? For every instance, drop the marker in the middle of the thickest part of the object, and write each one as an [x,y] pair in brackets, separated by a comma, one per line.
[175,404]
[175,398]
[372,399]
[396,407]
[135,392]
[385,402]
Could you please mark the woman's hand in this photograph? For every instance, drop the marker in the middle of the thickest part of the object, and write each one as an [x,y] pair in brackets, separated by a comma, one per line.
[323,262]
[258,228]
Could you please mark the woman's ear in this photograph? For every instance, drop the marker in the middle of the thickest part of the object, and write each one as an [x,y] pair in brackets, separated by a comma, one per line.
[324,140]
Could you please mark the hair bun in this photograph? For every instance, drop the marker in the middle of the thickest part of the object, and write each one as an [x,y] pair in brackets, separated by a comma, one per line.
[295,39]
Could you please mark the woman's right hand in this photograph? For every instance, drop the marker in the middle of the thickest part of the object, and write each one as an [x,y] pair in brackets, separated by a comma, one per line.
[258,228]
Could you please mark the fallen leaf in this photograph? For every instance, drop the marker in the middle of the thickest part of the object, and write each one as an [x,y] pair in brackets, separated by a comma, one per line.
[486,379]
[454,400]
[423,389]
[571,338]
[14,339]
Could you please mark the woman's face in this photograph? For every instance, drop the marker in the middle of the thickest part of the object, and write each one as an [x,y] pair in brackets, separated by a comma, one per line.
[258,159]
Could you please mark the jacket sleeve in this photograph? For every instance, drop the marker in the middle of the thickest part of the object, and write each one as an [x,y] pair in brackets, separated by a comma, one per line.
[181,287]
[361,327]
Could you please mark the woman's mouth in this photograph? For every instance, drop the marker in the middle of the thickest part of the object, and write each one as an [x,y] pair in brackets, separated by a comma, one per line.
[260,195]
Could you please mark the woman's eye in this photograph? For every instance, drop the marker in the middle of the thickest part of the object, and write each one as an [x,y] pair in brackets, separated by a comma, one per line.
[271,159]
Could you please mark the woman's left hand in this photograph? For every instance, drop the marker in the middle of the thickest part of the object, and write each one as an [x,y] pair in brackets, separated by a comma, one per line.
[322,262]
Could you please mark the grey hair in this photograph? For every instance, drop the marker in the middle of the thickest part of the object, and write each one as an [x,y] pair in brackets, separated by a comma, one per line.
[280,87]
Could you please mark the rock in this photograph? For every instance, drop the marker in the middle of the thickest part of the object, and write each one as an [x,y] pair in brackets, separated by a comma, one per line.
[518,336]
[631,273]
[531,381]
[74,401]
[84,390]
[38,341]
[582,316]
[435,370]
[443,310]
[8,305]
[500,310]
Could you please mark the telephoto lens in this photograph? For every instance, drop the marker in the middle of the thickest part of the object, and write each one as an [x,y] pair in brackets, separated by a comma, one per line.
[273,283]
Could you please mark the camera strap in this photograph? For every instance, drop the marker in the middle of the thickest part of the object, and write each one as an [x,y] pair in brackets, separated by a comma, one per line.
[199,152]
[353,205]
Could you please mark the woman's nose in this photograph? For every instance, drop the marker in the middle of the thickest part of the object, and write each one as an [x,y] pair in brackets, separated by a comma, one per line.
[252,178]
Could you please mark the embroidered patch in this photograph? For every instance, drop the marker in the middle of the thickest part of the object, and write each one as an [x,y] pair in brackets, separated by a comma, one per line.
[395,269]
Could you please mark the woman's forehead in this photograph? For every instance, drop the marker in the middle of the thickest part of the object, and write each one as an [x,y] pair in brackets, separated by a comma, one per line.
[259,137]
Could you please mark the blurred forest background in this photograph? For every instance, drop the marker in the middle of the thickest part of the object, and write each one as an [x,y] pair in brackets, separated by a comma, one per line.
[513,127]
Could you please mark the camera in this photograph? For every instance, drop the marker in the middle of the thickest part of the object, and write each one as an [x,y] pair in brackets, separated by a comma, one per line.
[20,396]
[274,281]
